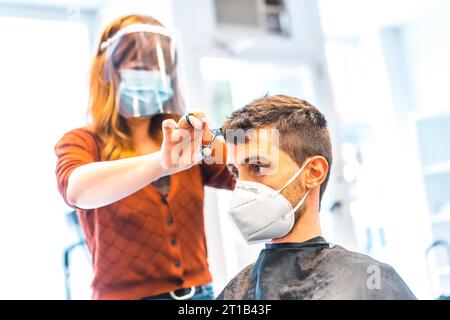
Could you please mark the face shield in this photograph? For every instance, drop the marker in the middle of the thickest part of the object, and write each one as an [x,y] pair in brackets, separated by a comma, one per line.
[142,62]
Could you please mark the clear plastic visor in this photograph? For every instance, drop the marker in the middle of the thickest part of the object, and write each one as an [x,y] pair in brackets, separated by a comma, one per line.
[142,63]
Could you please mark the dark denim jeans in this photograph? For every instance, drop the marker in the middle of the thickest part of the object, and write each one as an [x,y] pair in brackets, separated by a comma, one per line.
[206,293]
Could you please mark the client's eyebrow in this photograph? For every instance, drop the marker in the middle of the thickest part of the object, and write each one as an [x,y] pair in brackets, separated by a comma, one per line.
[257,160]
[251,160]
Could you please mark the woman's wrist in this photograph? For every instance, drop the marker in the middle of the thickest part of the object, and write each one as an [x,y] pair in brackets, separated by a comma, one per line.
[157,164]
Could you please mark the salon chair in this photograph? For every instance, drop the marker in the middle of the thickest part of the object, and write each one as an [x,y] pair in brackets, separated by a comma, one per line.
[74,224]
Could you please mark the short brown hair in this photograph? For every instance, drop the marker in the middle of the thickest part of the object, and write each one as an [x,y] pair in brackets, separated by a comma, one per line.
[302,128]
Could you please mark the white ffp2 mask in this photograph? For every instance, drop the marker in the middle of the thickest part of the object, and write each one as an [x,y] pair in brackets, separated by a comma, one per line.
[262,213]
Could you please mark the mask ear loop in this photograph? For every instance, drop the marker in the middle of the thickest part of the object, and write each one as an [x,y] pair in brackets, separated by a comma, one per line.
[299,204]
[292,179]
[302,200]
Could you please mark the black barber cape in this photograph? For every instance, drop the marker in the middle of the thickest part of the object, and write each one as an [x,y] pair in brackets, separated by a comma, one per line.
[313,270]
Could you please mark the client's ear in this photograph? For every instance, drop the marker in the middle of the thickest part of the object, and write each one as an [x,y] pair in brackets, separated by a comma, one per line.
[316,172]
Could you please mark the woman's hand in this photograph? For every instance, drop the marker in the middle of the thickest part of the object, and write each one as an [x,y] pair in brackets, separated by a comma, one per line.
[182,142]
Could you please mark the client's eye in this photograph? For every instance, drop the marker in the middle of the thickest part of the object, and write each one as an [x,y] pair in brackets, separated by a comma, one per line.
[256,169]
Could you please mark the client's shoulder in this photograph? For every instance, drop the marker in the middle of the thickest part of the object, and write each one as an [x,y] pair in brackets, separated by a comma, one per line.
[379,280]
[237,288]
[345,257]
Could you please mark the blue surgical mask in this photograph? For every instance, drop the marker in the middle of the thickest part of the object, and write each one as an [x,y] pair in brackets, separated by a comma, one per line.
[143,93]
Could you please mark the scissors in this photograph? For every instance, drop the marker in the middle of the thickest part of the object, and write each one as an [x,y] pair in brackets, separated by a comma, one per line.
[206,150]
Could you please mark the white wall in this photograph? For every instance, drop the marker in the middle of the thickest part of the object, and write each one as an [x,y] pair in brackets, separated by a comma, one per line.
[159,9]
[428,49]
[412,49]
[43,82]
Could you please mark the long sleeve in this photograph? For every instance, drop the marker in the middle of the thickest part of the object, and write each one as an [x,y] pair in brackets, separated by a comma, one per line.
[217,176]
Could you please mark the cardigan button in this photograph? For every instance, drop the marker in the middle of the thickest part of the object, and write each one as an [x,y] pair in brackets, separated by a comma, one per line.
[179,282]
[170,221]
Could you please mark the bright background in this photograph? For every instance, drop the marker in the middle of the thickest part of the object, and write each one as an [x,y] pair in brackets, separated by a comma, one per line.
[379,70]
